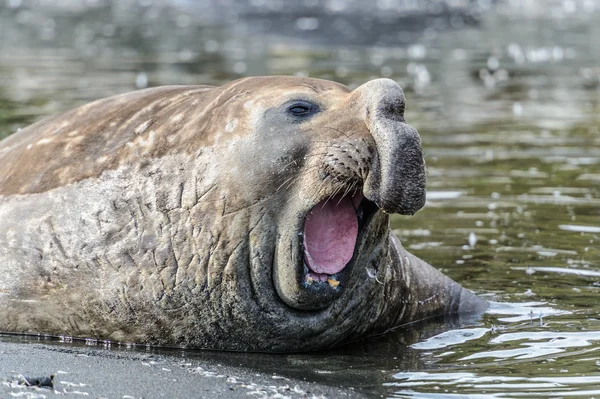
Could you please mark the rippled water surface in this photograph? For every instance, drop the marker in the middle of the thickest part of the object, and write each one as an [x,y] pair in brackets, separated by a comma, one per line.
[506,97]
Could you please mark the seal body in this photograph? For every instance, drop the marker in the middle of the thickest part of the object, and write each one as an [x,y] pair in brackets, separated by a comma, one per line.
[252,216]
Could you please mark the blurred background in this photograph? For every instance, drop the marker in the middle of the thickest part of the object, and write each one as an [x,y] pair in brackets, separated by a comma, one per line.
[506,97]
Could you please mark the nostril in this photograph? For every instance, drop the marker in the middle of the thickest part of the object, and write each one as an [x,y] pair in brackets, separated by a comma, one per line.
[393,109]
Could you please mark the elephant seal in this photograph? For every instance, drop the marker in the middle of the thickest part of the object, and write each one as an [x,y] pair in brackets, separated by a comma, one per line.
[252,216]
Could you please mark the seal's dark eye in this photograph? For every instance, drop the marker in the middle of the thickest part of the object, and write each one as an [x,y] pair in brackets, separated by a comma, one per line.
[299,110]
[302,108]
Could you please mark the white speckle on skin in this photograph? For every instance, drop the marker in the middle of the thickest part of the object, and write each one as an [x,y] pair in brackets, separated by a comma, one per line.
[24,300]
[45,141]
[231,125]
[29,146]
[73,133]
[102,159]
[83,109]
[141,142]
[177,118]
[65,173]
[74,141]
[142,127]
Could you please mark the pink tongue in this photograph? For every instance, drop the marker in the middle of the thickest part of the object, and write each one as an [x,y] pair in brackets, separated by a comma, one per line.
[330,232]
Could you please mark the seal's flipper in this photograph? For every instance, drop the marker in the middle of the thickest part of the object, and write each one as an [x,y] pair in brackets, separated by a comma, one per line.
[426,291]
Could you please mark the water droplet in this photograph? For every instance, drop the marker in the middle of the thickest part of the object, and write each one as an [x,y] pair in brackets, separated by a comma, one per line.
[472,240]
[239,67]
[517,109]
[493,63]
[307,23]
[371,272]
[141,80]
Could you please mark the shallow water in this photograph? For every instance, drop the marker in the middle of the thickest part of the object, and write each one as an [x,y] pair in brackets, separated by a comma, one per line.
[506,97]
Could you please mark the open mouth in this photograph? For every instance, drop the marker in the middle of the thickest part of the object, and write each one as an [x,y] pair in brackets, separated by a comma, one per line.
[332,229]
[317,259]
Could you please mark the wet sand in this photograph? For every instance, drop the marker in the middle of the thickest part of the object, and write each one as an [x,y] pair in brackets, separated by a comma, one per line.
[97,372]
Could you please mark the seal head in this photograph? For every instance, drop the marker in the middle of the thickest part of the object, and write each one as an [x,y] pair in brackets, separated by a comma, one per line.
[359,162]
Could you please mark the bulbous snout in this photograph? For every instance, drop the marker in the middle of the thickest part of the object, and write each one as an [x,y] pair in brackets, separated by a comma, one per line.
[396,180]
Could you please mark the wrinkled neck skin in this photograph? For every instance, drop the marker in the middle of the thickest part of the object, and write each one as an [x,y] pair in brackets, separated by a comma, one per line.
[185,267]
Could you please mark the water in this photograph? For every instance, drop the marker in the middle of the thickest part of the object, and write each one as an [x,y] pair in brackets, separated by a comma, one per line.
[506,96]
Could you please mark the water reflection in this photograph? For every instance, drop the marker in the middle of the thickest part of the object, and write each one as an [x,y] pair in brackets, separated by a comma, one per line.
[534,351]
[497,386]
[506,96]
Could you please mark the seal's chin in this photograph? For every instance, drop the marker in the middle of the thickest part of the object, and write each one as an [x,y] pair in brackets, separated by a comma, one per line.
[324,251]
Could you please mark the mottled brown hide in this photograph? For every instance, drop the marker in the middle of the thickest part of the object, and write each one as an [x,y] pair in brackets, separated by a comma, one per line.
[175,216]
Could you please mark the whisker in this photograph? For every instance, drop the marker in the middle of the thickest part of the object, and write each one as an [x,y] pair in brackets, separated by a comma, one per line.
[348,189]
[330,196]
[296,162]
[338,130]
[287,180]
[335,192]
[284,167]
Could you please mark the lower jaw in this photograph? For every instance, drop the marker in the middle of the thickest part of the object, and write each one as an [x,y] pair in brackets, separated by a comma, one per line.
[303,289]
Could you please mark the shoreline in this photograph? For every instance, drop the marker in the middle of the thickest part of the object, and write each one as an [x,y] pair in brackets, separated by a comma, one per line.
[97,372]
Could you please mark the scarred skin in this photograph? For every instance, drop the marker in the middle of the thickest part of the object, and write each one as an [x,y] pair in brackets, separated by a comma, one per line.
[174,216]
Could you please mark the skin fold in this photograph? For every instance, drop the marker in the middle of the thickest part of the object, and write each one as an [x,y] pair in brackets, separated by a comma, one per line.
[174,216]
